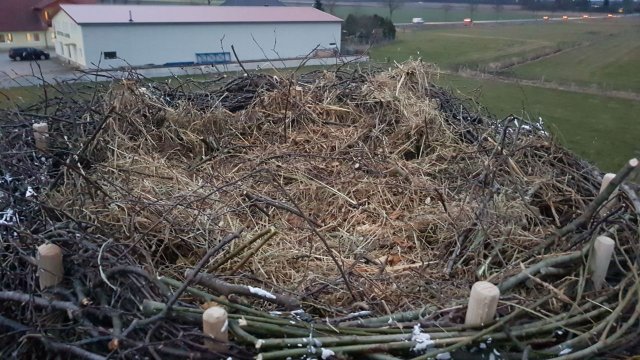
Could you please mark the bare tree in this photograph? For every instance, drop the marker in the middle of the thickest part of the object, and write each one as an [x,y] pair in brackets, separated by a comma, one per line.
[330,5]
[446,8]
[499,8]
[473,7]
[393,5]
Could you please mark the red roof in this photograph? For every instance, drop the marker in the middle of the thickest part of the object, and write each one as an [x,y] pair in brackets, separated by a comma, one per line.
[42,4]
[19,15]
[23,15]
[154,14]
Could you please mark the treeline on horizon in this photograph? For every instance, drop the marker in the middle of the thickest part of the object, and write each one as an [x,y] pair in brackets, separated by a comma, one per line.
[539,5]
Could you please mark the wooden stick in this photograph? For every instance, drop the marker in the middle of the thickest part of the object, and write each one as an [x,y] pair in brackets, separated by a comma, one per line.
[483,303]
[41,136]
[224,288]
[253,251]
[600,259]
[240,249]
[511,282]
[50,268]
[216,325]
[38,301]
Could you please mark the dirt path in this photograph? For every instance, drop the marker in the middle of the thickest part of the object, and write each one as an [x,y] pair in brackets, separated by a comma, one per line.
[547,85]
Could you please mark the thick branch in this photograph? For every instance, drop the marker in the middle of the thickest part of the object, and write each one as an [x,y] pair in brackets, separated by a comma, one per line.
[533,270]
[6,323]
[226,289]
[76,352]
[37,301]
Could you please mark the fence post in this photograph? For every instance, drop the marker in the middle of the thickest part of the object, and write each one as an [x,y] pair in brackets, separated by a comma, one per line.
[216,325]
[41,135]
[606,179]
[600,259]
[483,303]
[50,267]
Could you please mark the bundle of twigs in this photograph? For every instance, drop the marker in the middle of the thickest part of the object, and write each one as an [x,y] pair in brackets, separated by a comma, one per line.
[377,199]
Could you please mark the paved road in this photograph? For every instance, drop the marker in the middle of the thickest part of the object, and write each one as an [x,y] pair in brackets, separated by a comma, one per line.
[510,21]
[24,73]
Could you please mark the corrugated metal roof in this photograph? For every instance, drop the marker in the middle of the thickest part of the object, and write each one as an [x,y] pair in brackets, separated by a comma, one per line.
[147,14]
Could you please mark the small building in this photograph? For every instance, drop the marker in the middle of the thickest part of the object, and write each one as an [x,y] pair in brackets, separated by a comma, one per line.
[21,25]
[114,36]
[26,23]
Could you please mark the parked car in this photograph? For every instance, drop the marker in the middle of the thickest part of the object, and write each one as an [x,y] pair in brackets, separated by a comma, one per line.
[28,54]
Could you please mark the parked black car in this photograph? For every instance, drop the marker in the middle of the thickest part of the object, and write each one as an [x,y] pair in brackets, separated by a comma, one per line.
[27,53]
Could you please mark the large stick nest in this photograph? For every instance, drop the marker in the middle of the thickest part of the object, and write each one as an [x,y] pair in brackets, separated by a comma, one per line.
[387,193]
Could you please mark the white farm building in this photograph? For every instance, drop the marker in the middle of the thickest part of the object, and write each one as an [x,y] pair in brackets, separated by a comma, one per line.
[108,36]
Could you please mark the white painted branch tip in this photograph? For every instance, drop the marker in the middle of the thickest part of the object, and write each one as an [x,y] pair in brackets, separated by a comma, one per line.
[483,303]
[600,258]
[50,266]
[216,325]
[606,179]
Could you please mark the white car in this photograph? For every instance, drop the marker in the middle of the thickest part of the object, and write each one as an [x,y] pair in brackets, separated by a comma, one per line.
[417,21]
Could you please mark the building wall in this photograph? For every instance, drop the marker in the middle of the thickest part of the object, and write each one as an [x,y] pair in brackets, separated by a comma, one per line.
[160,44]
[26,39]
[69,44]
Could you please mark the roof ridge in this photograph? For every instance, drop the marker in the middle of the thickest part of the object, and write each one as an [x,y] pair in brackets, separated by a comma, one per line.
[141,14]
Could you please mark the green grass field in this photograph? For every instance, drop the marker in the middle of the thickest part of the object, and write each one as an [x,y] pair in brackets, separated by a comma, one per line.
[457,13]
[481,46]
[20,96]
[602,129]
[611,63]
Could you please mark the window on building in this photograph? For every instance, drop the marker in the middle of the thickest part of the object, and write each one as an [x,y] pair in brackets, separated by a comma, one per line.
[6,38]
[110,55]
[33,37]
